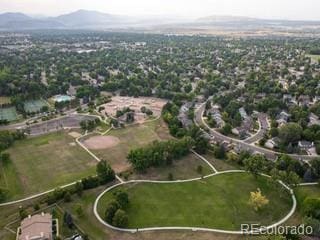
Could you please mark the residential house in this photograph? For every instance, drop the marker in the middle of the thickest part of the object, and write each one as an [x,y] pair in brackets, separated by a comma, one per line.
[304,100]
[283,118]
[243,113]
[216,115]
[272,143]
[183,114]
[244,130]
[313,120]
[38,227]
[305,145]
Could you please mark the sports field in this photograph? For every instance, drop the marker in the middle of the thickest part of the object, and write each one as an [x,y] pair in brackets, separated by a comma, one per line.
[217,202]
[34,106]
[129,138]
[8,113]
[45,162]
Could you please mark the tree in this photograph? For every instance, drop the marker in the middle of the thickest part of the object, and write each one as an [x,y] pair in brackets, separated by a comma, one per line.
[22,212]
[3,194]
[67,197]
[290,133]
[105,172]
[226,130]
[122,198]
[68,220]
[255,164]
[79,188]
[5,158]
[111,209]
[79,210]
[288,177]
[274,132]
[120,219]
[310,207]
[257,200]
[219,152]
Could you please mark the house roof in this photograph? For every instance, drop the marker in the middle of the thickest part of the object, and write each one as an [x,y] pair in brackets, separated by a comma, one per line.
[305,144]
[36,227]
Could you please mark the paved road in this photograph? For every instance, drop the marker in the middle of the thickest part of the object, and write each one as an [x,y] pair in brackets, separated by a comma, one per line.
[263,128]
[240,144]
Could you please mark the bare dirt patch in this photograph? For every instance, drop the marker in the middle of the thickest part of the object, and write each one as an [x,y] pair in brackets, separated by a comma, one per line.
[101,142]
[120,102]
[74,134]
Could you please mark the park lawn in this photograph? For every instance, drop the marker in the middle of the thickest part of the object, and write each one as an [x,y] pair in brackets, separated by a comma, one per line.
[220,164]
[217,202]
[314,58]
[46,162]
[132,137]
[184,168]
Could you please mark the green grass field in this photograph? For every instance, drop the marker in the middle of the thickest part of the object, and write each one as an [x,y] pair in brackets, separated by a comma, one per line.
[217,202]
[43,163]
[132,137]
[314,58]
[220,164]
[8,113]
[302,192]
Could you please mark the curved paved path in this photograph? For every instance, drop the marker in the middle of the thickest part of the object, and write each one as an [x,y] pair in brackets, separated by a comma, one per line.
[294,205]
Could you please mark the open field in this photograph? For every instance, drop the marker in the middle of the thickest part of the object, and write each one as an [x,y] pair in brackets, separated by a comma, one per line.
[217,202]
[34,106]
[101,142]
[45,162]
[314,58]
[118,103]
[184,168]
[131,137]
[95,230]
[4,100]
[8,113]
[220,164]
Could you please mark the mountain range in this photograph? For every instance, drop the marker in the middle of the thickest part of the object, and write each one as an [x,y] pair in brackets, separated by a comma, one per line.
[84,19]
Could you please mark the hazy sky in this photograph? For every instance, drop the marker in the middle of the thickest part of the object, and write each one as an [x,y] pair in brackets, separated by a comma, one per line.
[281,9]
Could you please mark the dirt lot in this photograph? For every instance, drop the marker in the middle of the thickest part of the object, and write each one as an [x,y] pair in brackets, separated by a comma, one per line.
[101,142]
[118,103]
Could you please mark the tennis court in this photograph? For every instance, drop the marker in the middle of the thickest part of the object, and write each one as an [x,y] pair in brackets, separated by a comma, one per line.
[8,113]
[34,106]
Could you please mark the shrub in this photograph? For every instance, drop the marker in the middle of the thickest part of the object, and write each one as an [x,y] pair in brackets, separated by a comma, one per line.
[120,219]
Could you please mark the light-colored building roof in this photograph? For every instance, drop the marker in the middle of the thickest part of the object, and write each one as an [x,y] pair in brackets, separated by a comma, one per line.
[37,227]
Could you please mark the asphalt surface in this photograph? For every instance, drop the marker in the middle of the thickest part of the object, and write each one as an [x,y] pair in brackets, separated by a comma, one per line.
[240,144]
[70,121]
[263,120]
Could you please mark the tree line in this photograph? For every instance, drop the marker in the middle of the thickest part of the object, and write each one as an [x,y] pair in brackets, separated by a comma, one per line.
[159,153]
